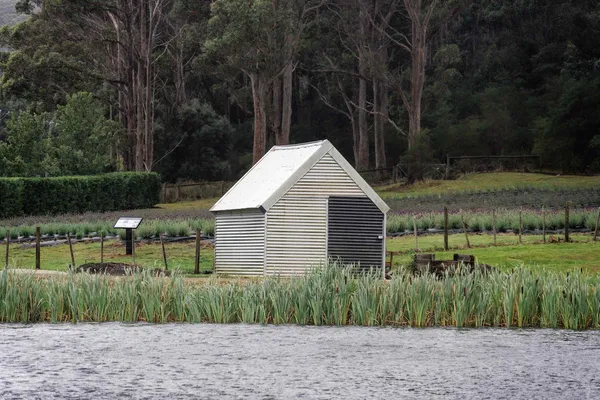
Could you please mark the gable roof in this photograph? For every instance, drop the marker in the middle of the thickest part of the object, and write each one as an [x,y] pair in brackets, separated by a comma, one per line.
[274,174]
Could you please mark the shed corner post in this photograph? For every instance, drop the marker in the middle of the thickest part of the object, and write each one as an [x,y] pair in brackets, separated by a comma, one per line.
[266,234]
[326,259]
[215,241]
[384,246]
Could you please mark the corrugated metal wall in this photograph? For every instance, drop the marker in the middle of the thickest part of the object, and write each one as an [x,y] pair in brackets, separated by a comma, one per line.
[355,231]
[297,223]
[240,242]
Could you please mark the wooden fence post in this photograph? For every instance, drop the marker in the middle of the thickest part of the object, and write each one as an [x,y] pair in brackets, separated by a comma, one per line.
[446,228]
[494,225]
[597,223]
[164,193]
[520,225]
[544,223]
[7,247]
[464,224]
[37,248]
[71,250]
[162,243]
[447,172]
[567,222]
[197,258]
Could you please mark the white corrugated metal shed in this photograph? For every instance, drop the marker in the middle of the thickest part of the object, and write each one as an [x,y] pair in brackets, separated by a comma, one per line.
[269,179]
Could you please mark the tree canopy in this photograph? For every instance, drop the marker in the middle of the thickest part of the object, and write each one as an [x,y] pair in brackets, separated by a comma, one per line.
[198,90]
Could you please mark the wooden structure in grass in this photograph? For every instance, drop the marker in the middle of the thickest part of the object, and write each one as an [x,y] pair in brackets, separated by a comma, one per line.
[298,207]
[427,263]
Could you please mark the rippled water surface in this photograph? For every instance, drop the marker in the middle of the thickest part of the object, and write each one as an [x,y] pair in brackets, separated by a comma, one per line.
[271,362]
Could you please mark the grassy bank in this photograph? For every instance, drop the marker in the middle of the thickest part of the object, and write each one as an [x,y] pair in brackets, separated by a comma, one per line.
[332,296]
[492,181]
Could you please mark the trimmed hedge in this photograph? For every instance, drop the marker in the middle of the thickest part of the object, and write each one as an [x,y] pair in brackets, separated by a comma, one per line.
[78,194]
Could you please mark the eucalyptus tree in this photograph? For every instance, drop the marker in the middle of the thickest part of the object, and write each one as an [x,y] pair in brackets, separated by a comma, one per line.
[108,43]
[260,38]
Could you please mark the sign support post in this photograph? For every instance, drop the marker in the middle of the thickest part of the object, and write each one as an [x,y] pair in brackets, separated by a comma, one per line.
[129,224]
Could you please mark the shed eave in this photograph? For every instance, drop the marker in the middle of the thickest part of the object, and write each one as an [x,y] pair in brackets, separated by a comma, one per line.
[218,210]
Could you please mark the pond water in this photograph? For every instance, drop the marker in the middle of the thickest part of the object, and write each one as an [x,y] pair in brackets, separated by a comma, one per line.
[272,362]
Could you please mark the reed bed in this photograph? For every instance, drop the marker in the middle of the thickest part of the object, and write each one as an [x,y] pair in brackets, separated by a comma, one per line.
[328,296]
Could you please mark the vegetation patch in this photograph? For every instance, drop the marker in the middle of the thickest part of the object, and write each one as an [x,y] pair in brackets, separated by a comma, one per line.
[492,181]
[494,199]
[78,194]
[117,269]
[329,296]
[482,220]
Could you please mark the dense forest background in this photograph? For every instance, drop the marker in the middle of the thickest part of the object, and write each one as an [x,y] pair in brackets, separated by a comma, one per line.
[198,89]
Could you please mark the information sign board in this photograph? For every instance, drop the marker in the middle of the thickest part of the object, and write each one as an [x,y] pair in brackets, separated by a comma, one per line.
[128,223]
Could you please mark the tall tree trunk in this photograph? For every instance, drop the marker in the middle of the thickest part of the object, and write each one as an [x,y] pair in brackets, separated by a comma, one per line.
[355,137]
[416,84]
[363,137]
[259,94]
[419,34]
[148,130]
[276,115]
[139,131]
[286,113]
[180,92]
[379,126]
[384,106]
[131,96]
[140,148]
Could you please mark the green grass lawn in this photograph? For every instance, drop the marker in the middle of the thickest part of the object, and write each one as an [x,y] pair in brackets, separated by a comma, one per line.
[179,255]
[204,204]
[582,253]
[489,181]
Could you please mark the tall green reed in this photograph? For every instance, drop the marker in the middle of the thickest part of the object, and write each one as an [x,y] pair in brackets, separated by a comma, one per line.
[333,295]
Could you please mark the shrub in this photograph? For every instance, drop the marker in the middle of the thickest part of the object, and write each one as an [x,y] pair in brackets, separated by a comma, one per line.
[78,194]
[11,200]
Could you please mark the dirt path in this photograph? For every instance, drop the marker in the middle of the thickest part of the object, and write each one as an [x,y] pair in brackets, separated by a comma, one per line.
[38,272]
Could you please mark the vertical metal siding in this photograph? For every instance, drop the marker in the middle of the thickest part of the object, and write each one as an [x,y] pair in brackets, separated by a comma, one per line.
[297,223]
[240,242]
[355,231]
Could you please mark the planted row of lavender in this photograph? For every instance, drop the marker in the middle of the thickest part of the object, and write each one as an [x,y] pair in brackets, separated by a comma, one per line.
[506,220]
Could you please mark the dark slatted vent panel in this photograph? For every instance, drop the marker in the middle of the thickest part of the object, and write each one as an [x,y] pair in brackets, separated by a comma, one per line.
[355,226]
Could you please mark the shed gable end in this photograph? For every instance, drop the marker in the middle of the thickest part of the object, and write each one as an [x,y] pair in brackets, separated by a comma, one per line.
[296,237]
